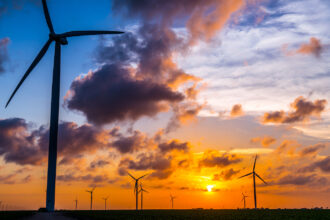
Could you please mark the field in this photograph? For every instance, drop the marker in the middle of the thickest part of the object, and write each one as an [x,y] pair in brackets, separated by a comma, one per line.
[180,214]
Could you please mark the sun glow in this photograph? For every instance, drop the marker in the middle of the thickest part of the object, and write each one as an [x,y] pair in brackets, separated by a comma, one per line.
[209,188]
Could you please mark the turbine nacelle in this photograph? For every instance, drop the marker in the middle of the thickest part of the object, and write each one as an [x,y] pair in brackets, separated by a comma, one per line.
[58,38]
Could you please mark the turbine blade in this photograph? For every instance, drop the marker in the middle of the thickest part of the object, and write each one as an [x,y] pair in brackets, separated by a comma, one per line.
[85,33]
[260,178]
[142,176]
[33,64]
[49,22]
[254,165]
[131,175]
[245,175]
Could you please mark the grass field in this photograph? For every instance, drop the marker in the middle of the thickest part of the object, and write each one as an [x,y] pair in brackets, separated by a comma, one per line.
[201,214]
[182,214]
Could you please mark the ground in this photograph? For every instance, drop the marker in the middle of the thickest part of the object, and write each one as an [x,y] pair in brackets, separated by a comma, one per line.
[171,214]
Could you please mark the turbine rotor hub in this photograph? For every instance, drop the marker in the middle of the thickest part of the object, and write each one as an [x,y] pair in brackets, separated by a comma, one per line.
[58,38]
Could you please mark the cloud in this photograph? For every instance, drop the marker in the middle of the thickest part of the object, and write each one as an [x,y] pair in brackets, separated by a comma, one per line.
[98,163]
[130,144]
[203,18]
[22,145]
[174,145]
[236,111]
[110,94]
[300,180]
[323,165]
[312,150]
[226,174]
[3,53]
[314,47]
[302,111]
[265,141]
[17,144]
[213,158]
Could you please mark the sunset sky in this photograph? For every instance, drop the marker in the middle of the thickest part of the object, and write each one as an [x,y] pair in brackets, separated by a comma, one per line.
[189,95]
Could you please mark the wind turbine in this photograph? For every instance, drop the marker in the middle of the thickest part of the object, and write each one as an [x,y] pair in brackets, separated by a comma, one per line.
[76,200]
[136,189]
[172,200]
[243,199]
[59,39]
[105,202]
[141,191]
[91,192]
[254,174]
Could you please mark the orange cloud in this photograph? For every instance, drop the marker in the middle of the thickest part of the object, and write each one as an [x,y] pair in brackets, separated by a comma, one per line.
[236,111]
[265,141]
[314,47]
[302,111]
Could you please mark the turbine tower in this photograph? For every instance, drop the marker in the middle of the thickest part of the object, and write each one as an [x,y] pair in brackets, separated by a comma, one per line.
[243,199]
[105,202]
[172,200]
[91,192]
[254,174]
[136,189]
[141,191]
[59,39]
[76,201]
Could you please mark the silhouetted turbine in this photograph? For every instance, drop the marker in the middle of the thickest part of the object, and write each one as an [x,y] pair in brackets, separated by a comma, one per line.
[254,174]
[172,200]
[141,191]
[243,199]
[136,189]
[105,202]
[60,39]
[91,192]
[76,200]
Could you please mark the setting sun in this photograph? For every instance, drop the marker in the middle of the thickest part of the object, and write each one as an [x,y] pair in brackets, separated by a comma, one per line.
[209,188]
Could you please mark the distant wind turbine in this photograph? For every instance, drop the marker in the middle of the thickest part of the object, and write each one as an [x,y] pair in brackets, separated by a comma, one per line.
[105,202]
[59,39]
[141,191]
[254,174]
[76,201]
[172,200]
[243,199]
[136,189]
[91,192]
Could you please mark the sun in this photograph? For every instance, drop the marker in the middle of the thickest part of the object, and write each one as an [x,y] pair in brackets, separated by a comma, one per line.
[209,188]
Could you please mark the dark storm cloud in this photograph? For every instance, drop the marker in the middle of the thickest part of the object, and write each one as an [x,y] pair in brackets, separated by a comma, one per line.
[173,145]
[302,111]
[214,159]
[17,144]
[74,140]
[301,180]
[129,144]
[3,53]
[22,145]
[111,94]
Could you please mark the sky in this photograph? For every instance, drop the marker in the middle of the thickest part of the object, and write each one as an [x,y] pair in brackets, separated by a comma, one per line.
[189,94]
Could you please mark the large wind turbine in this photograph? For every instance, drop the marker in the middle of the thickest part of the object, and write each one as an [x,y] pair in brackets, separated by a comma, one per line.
[243,199]
[136,189]
[172,200]
[141,191]
[91,192]
[59,39]
[105,202]
[254,174]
